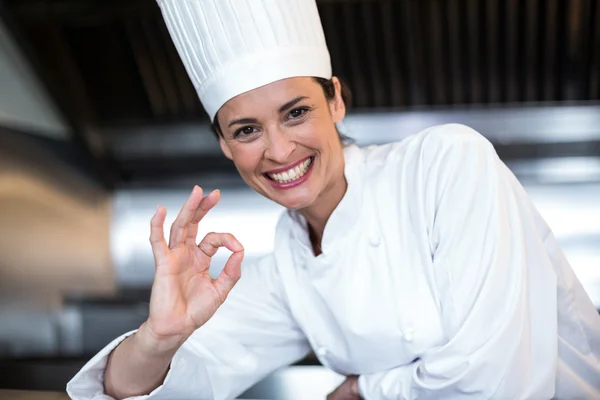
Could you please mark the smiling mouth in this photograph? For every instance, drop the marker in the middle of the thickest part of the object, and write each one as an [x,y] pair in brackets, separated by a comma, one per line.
[293,173]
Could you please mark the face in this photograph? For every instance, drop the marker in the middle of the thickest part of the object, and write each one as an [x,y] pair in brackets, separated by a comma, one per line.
[283,141]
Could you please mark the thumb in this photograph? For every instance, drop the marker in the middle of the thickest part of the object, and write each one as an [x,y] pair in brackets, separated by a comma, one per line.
[230,275]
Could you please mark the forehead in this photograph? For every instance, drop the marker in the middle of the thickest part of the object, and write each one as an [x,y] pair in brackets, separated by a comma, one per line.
[270,97]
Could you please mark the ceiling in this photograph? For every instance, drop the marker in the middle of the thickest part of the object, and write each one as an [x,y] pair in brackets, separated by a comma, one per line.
[24,104]
[115,75]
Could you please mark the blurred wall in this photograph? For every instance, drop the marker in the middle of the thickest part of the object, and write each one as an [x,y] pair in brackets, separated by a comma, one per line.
[54,238]
[54,228]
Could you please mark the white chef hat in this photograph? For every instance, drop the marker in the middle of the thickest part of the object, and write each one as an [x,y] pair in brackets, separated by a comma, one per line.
[229,47]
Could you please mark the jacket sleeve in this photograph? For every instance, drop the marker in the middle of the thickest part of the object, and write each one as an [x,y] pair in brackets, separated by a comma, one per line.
[251,335]
[495,280]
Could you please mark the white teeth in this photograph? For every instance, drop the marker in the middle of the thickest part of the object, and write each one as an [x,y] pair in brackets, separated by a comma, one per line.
[293,173]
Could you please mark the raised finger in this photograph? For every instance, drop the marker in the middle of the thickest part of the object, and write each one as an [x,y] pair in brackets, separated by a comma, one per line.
[180,225]
[160,249]
[204,207]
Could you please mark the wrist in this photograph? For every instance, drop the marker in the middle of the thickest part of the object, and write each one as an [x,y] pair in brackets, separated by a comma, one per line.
[151,344]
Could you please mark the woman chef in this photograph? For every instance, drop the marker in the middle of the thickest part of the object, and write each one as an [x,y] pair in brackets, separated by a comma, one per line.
[418,269]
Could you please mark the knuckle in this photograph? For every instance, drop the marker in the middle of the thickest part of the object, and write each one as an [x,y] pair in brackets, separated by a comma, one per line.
[211,235]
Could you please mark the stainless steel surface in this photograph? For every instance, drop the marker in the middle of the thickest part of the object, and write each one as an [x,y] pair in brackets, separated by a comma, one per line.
[296,383]
[507,125]
[547,171]
[134,92]
[242,212]
[24,104]
[571,209]
[47,381]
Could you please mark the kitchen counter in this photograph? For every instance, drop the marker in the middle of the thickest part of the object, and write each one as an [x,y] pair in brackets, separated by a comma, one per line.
[288,383]
[31,395]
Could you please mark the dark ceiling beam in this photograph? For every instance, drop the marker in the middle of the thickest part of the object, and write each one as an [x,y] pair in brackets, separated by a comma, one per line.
[71,99]
[150,169]
[85,12]
[536,151]
[80,12]
[147,68]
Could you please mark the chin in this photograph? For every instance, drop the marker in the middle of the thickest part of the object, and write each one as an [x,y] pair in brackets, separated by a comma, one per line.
[295,205]
[297,202]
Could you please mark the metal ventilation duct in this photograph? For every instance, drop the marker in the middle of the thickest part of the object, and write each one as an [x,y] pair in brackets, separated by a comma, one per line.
[392,53]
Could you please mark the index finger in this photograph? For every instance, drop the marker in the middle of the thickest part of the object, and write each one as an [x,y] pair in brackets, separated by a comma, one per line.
[204,207]
[157,236]
[180,225]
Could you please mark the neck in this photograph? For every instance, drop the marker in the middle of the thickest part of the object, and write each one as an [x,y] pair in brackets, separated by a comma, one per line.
[318,213]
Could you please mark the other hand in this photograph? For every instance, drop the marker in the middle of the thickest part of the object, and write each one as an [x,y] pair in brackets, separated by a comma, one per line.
[348,390]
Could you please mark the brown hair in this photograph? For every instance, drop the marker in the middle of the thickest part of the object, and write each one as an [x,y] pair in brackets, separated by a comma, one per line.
[329,91]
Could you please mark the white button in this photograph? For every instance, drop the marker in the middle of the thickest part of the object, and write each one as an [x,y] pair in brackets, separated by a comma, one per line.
[375,240]
[322,351]
[409,335]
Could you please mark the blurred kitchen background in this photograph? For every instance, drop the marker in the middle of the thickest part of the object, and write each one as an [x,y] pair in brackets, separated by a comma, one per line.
[99,124]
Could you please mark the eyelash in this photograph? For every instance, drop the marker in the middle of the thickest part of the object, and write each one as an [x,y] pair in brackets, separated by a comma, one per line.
[240,131]
[304,111]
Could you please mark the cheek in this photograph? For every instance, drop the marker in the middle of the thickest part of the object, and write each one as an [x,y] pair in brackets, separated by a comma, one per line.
[316,133]
[246,159]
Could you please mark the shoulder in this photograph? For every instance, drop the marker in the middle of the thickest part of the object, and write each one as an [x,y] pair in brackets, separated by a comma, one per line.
[453,138]
[442,138]
[434,147]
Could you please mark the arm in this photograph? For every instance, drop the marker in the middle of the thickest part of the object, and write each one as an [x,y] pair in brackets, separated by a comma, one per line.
[251,335]
[496,281]
[138,365]
[204,337]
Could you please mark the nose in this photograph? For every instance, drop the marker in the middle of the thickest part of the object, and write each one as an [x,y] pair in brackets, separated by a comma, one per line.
[279,145]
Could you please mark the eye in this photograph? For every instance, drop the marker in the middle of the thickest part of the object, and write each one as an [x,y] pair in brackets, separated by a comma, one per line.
[244,132]
[297,113]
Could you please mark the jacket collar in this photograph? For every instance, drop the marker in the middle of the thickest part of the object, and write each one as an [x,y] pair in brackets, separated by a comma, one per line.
[345,215]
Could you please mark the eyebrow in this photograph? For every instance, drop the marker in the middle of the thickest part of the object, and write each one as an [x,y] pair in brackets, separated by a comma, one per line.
[242,121]
[291,103]
[283,108]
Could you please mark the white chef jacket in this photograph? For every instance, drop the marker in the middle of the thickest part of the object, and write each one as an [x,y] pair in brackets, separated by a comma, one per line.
[438,280]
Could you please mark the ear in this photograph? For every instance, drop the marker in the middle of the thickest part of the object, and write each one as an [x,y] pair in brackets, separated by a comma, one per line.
[337,105]
[225,148]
